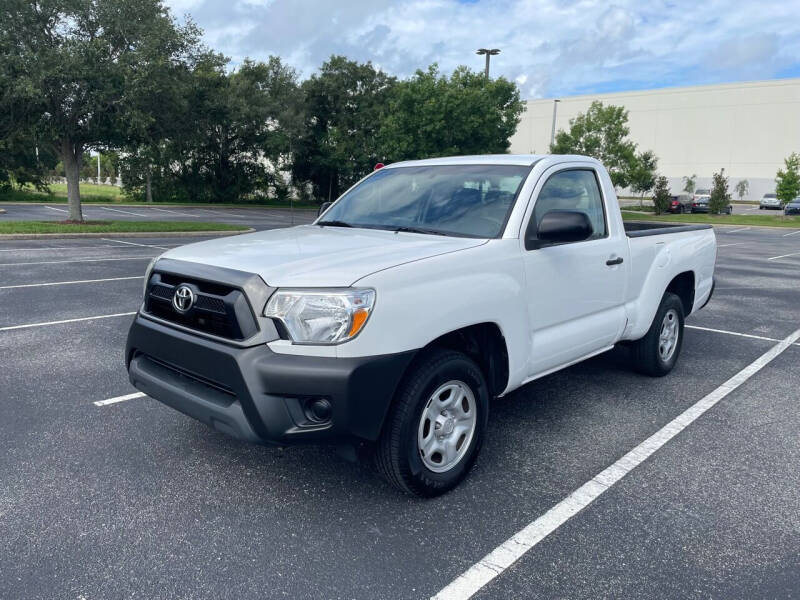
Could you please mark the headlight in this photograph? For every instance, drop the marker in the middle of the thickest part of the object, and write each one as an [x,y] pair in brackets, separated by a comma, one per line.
[148,271]
[325,316]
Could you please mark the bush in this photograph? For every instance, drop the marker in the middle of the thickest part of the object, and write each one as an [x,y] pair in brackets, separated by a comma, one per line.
[787,181]
[661,195]
[720,197]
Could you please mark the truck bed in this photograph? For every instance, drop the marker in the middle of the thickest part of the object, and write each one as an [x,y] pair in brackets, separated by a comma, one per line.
[634,229]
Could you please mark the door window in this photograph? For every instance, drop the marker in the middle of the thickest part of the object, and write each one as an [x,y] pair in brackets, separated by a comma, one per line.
[573,189]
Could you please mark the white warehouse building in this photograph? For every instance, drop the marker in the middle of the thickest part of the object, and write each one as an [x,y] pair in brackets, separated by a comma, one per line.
[747,128]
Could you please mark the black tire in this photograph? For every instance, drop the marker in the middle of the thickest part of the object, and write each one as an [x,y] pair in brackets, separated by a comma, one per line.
[397,455]
[646,352]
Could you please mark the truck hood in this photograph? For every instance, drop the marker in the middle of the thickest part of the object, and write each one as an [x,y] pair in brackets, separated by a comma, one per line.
[313,256]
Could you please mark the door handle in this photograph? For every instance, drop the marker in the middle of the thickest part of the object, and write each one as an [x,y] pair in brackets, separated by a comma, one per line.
[614,261]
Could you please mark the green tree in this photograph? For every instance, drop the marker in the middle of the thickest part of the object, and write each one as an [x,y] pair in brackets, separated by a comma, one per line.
[601,132]
[689,184]
[24,160]
[432,114]
[742,187]
[720,196]
[345,104]
[642,172]
[661,195]
[787,181]
[231,141]
[80,69]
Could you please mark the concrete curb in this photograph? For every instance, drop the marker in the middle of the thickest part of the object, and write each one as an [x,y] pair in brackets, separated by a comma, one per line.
[132,234]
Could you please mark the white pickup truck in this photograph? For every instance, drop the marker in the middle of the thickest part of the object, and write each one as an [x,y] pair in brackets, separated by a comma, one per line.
[427,289]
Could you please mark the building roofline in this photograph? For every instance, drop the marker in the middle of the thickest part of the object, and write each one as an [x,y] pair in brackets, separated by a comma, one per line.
[786,81]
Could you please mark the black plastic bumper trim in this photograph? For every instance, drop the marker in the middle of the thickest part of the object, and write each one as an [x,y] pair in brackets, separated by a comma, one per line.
[251,393]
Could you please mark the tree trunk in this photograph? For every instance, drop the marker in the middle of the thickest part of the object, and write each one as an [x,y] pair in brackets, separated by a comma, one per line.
[148,186]
[71,154]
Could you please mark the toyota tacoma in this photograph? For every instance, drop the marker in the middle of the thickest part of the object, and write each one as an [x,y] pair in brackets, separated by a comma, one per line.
[430,287]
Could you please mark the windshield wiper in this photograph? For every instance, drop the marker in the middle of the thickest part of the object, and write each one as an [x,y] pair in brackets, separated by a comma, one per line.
[407,229]
[334,223]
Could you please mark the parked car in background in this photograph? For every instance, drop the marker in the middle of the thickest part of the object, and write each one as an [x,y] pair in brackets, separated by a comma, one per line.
[793,208]
[769,202]
[680,204]
[700,205]
[700,192]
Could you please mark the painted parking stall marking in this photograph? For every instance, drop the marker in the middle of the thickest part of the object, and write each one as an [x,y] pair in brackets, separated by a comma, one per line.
[134,244]
[505,555]
[784,256]
[79,319]
[75,260]
[119,399]
[30,285]
[125,212]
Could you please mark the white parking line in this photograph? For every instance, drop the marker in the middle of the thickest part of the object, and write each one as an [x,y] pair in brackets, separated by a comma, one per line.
[792,233]
[58,209]
[505,555]
[127,212]
[738,230]
[736,244]
[29,285]
[118,399]
[58,248]
[172,212]
[736,333]
[134,244]
[783,256]
[76,260]
[127,314]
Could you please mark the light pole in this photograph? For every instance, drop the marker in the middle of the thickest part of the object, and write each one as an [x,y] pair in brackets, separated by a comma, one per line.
[553,130]
[489,52]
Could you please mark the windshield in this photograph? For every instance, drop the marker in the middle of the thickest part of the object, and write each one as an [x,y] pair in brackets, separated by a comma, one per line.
[770,196]
[461,200]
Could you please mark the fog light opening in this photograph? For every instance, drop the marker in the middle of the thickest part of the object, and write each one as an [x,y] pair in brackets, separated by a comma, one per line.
[318,410]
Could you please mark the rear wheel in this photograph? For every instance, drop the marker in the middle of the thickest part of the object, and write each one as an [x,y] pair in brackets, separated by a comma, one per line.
[657,352]
[436,424]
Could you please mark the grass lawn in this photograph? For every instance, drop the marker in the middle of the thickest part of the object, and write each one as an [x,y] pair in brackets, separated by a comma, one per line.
[113,227]
[753,220]
[109,194]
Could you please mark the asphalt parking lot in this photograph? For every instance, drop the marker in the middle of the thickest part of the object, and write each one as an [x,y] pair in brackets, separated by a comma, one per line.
[738,209]
[132,499]
[258,218]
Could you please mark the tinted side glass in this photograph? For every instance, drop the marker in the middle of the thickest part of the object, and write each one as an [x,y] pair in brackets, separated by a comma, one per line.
[577,190]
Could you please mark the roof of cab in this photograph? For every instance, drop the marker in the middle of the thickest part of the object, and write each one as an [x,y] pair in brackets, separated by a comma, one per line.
[484,159]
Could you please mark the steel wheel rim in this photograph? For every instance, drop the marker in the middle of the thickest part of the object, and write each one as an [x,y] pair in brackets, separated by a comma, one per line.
[447,426]
[668,337]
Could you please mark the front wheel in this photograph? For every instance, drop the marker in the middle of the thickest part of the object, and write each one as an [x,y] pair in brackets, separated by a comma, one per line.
[657,352]
[436,425]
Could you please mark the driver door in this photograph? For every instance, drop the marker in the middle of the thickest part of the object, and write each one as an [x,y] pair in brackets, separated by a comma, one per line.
[575,291]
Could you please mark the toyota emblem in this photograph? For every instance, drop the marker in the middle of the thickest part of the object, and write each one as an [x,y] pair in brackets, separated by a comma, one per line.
[183,299]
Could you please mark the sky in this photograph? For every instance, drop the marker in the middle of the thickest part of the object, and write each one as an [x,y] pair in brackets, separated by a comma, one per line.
[550,48]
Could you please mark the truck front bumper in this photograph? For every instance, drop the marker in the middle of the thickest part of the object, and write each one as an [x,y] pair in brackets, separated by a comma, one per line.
[257,395]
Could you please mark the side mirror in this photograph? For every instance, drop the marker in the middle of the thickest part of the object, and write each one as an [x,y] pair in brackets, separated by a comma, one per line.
[323,207]
[560,227]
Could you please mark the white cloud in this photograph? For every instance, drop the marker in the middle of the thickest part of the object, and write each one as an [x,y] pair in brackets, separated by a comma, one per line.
[550,47]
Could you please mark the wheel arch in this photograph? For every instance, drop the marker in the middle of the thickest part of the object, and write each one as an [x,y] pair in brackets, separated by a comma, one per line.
[683,286]
[486,345]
